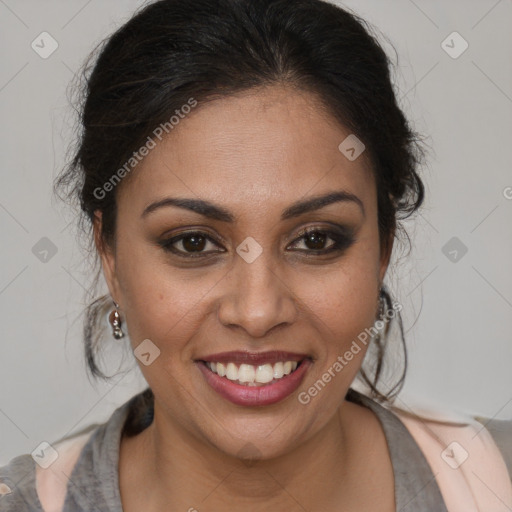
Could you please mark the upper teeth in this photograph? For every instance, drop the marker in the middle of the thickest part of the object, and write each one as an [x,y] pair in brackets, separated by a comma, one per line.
[247,373]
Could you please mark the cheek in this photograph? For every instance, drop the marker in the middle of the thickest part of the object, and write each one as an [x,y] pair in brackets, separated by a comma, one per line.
[159,302]
[343,301]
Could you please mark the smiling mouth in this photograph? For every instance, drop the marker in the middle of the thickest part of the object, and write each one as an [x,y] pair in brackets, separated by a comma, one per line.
[253,375]
[254,378]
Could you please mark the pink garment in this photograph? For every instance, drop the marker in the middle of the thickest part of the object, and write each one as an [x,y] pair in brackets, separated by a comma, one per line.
[469,468]
[51,483]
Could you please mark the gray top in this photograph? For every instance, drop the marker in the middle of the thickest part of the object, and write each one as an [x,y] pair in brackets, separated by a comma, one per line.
[94,485]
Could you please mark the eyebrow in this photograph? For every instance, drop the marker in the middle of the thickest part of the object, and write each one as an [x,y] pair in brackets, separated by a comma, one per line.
[219,213]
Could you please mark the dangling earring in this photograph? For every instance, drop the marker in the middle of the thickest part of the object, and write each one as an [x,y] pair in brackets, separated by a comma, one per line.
[380,316]
[382,305]
[115,322]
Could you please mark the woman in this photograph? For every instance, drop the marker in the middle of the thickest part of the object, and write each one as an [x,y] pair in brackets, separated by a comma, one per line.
[244,167]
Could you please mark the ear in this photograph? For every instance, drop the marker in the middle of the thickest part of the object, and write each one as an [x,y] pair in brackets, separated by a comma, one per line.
[385,255]
[107,256]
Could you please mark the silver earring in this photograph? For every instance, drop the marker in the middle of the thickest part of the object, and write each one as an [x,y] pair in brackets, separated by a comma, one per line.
[382,304]
[377,338]
[115,322]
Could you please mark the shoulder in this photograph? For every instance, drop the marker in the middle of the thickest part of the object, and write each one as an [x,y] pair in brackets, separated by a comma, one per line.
[470,456]
[75,472]
[501,431]
[17,486]
[37,482]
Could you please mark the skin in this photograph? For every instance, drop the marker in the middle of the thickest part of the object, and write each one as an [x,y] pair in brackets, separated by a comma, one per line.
[272,147]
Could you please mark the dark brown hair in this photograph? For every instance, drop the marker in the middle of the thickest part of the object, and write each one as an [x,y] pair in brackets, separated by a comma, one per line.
[171,51]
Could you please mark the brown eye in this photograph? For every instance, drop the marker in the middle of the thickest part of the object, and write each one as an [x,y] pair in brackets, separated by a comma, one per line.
[186,244]
[193,243]
[315,240]
[319,241]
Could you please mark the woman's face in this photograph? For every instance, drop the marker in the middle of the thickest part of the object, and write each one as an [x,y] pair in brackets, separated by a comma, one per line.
[249,281]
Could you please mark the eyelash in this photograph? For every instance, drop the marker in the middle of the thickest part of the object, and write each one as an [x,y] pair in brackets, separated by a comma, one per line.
[342,241]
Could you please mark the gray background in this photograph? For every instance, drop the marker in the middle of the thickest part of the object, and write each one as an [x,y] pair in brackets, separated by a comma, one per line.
[458,315]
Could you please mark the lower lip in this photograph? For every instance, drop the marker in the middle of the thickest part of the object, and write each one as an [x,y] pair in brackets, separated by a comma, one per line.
[255,395]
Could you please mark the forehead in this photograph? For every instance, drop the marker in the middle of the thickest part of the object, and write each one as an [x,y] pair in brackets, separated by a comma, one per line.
[274,144]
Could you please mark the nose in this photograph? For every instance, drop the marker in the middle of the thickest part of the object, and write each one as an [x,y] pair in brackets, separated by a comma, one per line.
[257,298]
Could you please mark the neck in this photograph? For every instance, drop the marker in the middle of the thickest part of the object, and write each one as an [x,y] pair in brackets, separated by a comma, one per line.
[181,469]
